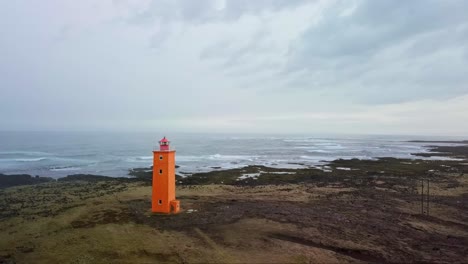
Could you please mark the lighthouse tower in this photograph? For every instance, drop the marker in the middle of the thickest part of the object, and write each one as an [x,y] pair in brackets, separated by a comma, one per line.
[163,198]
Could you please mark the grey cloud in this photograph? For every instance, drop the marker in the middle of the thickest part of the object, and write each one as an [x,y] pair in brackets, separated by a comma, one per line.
[165,12]
[340,51]
[375,25]
[439,40]
[236,56]
[205,11]
[236,8]
[217,50]
[158,39]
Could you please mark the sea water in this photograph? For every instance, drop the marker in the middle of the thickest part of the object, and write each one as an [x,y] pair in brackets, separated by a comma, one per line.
[57,154]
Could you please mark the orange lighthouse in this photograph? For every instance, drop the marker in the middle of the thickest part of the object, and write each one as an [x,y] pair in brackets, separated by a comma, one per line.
[163,200]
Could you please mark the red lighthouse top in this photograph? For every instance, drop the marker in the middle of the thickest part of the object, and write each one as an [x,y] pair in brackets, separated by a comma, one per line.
[164,144]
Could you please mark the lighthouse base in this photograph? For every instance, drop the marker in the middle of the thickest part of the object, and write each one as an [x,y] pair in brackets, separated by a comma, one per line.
[173,207]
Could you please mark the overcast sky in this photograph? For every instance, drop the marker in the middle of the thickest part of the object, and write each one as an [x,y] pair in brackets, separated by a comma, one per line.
[276,66]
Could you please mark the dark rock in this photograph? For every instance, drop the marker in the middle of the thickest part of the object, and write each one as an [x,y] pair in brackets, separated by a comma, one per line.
[86,177]
[21,179]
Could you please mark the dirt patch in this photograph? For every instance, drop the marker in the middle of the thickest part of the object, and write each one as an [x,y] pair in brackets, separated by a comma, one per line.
[142,254]
[7,259]
[359,254]
[103,217]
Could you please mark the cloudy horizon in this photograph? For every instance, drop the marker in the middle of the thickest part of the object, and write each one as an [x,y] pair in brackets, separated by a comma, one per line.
[266,66]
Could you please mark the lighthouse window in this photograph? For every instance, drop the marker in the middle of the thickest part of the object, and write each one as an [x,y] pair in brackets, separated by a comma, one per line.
[160,171]
[160,157]
[160,202]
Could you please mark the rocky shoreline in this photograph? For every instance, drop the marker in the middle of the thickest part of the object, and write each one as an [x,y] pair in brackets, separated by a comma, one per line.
[262,175]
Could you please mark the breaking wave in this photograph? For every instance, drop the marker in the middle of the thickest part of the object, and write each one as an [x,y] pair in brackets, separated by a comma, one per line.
[30,159]
[69,168]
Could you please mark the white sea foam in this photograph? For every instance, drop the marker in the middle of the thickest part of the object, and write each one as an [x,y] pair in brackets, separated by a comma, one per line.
[331,146]
[231,157]
[282,172]
[188,158]
[144,158]
[318,151]
[30,159]
[318,158]
[313,149]
[324,168]
[248,175]
[65,169]
[215,157]
[343,168]
[28,153]
[442,158]
[287,166]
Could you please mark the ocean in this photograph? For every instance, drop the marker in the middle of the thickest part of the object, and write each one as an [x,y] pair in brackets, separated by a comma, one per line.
[57,154]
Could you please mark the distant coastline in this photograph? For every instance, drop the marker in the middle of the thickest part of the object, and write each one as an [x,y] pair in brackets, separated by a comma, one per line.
[440,141]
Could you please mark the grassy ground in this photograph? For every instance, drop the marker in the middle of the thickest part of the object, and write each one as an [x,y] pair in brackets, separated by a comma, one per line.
[345,220]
